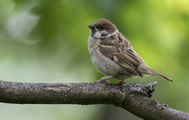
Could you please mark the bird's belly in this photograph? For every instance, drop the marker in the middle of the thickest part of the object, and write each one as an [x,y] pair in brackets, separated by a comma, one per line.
[104,64]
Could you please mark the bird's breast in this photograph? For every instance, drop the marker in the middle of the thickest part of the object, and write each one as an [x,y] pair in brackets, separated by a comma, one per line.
[102,63]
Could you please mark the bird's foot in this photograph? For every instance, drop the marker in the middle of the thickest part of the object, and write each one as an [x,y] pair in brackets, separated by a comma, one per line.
[104,79]
[121,82]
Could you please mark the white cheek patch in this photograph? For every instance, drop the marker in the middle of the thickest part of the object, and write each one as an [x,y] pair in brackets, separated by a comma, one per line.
[99,34]
[102,34]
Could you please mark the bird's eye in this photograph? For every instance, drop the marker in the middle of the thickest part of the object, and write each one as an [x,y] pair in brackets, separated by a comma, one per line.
[101,28]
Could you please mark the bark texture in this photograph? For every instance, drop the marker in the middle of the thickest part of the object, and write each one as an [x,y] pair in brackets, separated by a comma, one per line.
[134,98]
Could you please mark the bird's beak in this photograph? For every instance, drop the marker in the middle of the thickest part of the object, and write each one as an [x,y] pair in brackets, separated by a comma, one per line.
[91,26]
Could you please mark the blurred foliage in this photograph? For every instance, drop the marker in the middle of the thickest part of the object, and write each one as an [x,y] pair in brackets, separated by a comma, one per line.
[46,41]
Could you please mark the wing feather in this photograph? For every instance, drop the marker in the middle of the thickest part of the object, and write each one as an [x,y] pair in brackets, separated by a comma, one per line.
[119,49]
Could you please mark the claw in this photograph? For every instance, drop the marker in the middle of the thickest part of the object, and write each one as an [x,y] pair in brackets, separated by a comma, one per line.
[121,82]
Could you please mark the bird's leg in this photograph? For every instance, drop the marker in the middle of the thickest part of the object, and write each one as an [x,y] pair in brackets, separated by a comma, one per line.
[104,79]
[121,82]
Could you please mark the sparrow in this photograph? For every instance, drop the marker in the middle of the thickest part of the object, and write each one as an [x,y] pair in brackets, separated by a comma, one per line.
[113,55]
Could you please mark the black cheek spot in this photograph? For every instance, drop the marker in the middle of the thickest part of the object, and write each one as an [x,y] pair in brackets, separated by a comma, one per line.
[104,35]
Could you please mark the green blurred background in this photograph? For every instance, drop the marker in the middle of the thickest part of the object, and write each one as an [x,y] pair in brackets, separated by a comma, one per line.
[46,41]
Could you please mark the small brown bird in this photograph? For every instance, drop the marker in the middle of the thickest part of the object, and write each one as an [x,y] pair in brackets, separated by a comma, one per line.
[113,55]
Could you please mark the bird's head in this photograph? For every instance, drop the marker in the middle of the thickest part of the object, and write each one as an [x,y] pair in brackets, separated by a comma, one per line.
[102,28]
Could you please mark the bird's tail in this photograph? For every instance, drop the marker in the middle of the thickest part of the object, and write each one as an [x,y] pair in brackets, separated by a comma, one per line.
[160,74]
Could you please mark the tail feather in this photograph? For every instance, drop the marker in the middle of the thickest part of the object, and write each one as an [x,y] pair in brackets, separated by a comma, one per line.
[161,75]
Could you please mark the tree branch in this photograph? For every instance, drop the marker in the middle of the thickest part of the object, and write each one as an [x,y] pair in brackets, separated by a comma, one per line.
[134,97]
